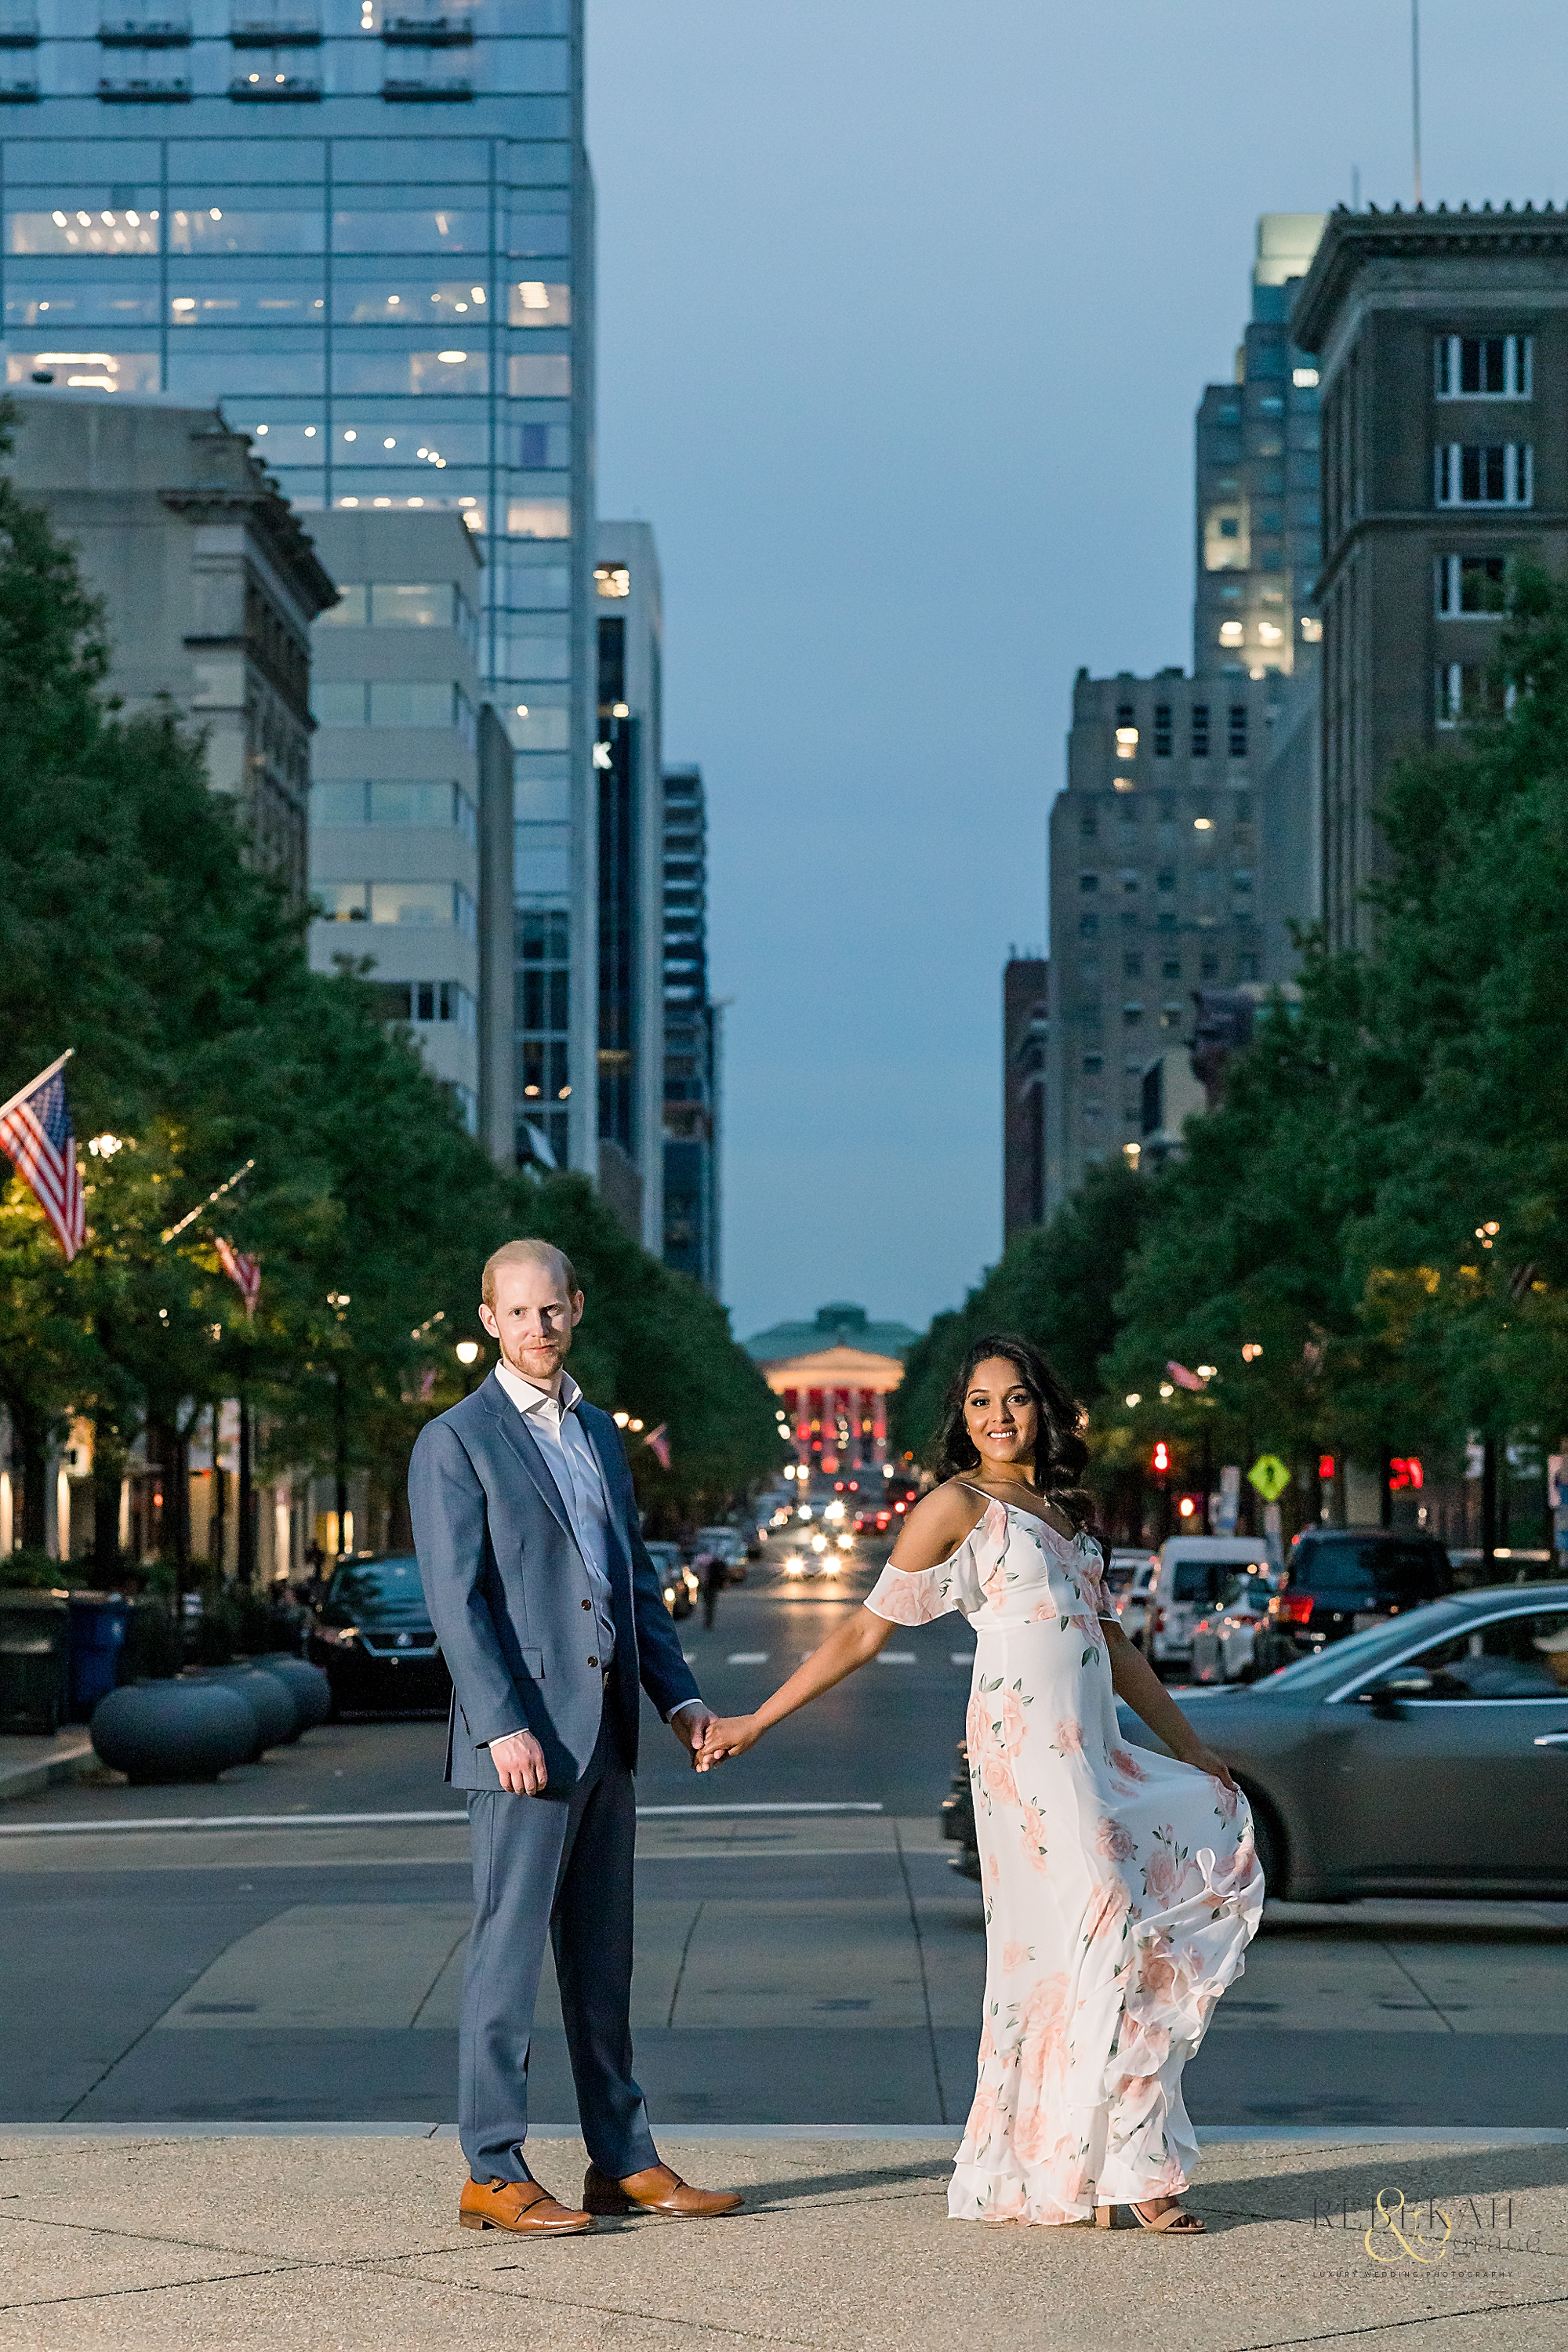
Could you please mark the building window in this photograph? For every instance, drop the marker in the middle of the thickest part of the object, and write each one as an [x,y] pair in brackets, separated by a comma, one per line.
[395,804]
[1087,882]
[1170,1013]
[1088,825]
[1470,584]
[1092,1065]
[1237,740]
[1470,690]
[428,1000]
[1200,730]
[1468,474]
[1161,731]
[1246,966]
[1133,966]
[1241,880]
[1129,879]
[1172,968]
[1089,926]
[1484,367]
[1131,1013]
[1208,967]
[1166,880]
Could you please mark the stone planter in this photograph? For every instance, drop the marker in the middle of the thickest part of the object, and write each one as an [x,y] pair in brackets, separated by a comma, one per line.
[174,1730]
[306,1684]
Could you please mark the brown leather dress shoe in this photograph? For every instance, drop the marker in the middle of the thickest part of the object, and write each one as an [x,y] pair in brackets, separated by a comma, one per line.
[524,2207]
[656,2190]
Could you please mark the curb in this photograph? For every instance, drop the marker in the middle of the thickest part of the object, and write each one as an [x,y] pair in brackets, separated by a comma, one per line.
[49,1771]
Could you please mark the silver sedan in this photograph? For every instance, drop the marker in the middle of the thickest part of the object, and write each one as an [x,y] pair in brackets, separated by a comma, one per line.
[1425,1756]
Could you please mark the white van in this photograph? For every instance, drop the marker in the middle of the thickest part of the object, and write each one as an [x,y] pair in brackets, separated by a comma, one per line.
[1193,1571]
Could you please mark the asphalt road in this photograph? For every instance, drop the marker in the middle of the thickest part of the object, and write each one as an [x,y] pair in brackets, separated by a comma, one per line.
[794,1967]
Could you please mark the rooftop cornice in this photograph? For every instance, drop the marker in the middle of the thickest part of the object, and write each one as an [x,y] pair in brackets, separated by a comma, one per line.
[264,507]
[1352,240]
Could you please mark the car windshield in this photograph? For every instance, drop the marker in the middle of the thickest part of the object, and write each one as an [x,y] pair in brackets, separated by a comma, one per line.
[1368,1574]
[1341,1660]
[1203,1579]
[1251,1587]
[384,1589]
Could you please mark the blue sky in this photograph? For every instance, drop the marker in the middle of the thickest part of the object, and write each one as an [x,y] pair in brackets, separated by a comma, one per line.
[904,310]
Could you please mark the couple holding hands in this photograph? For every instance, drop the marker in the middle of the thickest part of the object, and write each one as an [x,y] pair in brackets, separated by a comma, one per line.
[1120,1884]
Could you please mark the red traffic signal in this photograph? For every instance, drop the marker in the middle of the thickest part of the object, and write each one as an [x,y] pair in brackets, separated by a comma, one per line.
[1160,1460]
[1325,1465]
[1404,1470]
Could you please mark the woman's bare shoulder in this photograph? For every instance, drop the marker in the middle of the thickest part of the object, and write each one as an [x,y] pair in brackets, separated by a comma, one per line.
[937,1526]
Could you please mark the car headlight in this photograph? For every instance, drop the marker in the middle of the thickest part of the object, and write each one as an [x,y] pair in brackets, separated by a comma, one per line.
[846,1543]
[794,1567]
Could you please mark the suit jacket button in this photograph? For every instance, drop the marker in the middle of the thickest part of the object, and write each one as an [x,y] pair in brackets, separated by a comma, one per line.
[587,1604]
[593,1662]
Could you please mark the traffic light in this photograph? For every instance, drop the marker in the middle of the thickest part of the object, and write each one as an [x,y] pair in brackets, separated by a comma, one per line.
[1160,1460]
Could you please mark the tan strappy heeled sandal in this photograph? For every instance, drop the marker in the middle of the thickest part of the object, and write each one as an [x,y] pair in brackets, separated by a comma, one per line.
[1176,2221]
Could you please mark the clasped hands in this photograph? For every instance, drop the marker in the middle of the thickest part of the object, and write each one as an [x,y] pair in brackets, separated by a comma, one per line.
[708,1738]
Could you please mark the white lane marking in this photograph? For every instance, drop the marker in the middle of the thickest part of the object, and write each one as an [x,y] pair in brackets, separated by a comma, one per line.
[665,1812]
[897,1658]
[747,1658]
[226,1821]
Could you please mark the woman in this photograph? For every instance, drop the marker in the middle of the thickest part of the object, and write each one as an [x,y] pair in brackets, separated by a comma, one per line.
[1121,1888]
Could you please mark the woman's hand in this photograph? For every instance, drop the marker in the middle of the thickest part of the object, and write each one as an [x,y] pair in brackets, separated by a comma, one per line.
[725,1735]
[1204,1759]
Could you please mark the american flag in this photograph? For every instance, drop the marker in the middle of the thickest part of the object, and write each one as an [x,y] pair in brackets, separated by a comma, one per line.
[35,1135]
[243,1272]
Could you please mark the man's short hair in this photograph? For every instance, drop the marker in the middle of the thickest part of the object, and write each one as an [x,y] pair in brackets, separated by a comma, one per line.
[529,1253]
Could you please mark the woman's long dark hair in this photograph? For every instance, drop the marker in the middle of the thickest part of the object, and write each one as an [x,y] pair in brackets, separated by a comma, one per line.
[1060,1450]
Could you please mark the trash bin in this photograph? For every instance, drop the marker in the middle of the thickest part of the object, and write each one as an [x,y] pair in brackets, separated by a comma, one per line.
[98,1623]
[35,1660]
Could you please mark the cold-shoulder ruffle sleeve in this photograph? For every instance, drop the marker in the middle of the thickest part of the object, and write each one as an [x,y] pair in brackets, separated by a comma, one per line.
[918,1598]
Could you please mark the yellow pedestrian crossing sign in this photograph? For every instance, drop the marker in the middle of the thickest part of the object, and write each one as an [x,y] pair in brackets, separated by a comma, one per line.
[1270,1475]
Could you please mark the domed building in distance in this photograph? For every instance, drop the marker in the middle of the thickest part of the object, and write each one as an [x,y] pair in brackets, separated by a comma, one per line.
[833,1378]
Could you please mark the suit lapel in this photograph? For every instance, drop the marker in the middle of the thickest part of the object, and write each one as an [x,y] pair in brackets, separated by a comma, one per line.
[525,1445]
[605,1451]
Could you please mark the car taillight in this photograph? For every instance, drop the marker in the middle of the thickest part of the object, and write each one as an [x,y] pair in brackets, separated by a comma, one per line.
[1291,1608]
[1156,1621]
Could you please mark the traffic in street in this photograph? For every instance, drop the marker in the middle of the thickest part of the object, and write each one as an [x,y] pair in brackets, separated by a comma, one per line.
[288,1942]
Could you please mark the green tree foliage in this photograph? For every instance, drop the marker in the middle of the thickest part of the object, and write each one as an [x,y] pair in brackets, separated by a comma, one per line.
[1379,1200]
[133,927]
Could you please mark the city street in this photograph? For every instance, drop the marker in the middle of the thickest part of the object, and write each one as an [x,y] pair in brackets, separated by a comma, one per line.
[795,1966]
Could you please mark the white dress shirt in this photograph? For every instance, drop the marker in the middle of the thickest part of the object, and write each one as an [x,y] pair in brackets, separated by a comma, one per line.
[569,1453]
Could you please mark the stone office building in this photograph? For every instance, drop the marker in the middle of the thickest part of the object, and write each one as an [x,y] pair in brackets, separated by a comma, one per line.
[1441,341]
[209,586]
[1156,851]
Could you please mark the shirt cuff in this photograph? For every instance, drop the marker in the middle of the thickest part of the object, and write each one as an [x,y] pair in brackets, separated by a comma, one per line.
[682,1707]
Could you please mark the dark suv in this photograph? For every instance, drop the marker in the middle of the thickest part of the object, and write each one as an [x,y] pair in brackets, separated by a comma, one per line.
[1339,1579]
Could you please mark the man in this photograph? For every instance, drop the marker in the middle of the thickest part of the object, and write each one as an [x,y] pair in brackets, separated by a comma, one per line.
[549,1615]
[713,1575]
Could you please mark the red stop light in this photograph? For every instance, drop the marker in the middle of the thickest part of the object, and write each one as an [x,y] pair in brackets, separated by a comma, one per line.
[1160,1460]
[1404,1470]
[1325,1465]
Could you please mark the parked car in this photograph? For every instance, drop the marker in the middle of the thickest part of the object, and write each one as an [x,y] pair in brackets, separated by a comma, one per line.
[1425,1755]
[1191,1574]
[957,1817]
[374,1637]
[1133,1604]
[1225,1641]
[681,1590]
[1339,1581]
[1122,1568]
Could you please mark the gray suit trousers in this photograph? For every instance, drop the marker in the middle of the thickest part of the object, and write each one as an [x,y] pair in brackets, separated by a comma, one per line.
[558,1865]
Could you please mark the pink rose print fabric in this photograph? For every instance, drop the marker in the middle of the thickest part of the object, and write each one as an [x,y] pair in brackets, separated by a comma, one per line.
[1122,1890]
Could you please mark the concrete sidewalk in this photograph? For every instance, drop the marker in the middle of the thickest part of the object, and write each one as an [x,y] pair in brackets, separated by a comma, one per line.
[336,2238]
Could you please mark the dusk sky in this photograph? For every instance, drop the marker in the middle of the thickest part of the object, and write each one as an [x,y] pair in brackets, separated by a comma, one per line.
[904,311]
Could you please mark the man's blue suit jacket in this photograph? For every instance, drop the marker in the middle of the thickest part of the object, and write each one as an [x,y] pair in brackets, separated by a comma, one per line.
[508,1594]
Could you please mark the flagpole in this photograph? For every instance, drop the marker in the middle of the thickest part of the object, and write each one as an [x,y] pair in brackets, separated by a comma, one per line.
[32,1083]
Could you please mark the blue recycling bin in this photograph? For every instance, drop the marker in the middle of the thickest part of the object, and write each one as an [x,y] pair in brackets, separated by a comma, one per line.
[99,1621]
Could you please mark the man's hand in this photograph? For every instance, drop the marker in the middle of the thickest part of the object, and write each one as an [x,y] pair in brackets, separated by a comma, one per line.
[519,1760]
[726,1735]
[689,1726]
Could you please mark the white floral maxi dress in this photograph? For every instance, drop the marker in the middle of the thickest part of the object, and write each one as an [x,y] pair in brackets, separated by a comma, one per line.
[1122,1889]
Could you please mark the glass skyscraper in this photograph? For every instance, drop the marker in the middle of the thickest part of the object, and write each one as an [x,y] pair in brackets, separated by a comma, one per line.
[370,235]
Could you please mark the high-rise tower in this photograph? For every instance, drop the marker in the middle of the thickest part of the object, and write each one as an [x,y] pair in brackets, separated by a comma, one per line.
[369,234]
